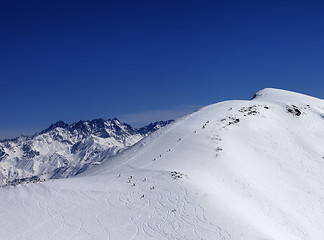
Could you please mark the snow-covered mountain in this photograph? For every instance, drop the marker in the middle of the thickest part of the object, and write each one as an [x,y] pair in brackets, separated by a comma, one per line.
[64,150]
[232,170]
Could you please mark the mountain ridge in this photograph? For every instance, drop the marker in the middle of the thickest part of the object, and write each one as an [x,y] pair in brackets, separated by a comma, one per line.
[259,162]
[63,150]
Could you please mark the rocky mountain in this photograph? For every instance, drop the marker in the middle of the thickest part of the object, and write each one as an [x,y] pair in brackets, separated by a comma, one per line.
[64,150]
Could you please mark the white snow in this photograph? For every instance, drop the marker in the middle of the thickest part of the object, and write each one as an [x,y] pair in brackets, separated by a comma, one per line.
[232,170]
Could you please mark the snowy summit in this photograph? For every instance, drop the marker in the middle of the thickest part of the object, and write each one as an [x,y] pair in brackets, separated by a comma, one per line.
[232,170]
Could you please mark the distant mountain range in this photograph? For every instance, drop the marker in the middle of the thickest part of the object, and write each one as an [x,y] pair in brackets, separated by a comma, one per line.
[64,150]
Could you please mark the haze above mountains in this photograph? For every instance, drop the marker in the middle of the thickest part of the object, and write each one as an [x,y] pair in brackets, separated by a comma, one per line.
[231,170]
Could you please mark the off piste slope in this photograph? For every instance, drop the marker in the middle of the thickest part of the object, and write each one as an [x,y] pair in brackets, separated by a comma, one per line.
[232,170]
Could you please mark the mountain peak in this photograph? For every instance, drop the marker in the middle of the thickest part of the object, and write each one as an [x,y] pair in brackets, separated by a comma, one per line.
[284,96]
[58,124]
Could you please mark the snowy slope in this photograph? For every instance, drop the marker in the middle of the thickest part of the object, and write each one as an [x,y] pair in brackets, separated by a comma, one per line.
[232,170]
[64,150]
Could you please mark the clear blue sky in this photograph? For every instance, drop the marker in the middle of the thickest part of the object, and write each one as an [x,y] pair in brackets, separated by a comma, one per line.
[141,60]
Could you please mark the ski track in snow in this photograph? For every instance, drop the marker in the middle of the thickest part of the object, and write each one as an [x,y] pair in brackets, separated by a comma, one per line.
[159,213]
[106,229]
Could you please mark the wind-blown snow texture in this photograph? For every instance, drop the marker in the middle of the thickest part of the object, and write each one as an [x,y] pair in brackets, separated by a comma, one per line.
[64,150]
[232,170]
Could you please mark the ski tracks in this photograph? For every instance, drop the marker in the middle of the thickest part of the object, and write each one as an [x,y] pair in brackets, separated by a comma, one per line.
[101,224]
[135,209]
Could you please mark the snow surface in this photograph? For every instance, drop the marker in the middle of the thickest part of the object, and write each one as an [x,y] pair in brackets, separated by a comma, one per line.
[232,170]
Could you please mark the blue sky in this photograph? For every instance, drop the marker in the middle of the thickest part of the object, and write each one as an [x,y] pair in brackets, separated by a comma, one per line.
[143,60]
